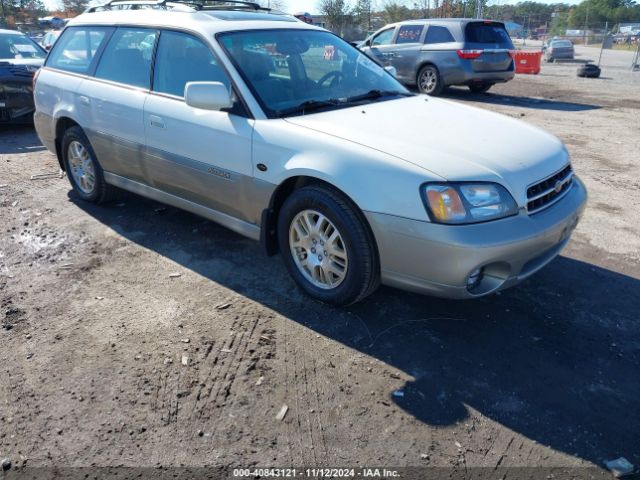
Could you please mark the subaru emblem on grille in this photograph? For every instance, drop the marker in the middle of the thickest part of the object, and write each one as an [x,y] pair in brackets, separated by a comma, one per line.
[558,186]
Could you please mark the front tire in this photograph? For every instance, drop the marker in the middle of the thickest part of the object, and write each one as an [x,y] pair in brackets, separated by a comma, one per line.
[327,246]
[82,167]
[429,81]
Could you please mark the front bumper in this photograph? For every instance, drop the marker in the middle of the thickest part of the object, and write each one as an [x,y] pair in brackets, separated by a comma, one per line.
[16,102]
[437,259]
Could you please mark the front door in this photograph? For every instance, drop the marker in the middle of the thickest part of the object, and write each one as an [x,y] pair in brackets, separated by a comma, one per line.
[381,47]
[199,155]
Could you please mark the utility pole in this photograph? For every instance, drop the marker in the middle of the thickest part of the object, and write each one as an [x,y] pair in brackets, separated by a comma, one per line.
[604,37]
[586,23]
[478,8]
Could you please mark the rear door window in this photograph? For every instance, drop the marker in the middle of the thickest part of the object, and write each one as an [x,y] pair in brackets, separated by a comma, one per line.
[76,48]
[488,33]
[409,33]
[127,58]
[438,34]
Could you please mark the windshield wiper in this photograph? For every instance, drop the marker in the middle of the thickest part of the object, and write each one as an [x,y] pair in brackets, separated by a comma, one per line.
[373,94]
[308,106]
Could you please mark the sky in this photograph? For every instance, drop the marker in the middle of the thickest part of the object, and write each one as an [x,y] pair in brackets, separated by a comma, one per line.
[311,6]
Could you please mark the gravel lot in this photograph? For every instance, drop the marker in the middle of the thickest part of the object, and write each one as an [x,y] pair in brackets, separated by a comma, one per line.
[101,306]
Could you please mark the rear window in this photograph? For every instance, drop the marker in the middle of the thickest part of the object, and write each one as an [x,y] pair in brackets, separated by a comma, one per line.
[488,33]
[76,48]
[561,44]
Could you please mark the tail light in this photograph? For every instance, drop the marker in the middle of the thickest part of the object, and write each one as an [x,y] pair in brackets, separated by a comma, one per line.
[35,77]
[469,54]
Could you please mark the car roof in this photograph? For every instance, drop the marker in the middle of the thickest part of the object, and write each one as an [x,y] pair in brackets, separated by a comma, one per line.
[446,20]
[15,32]
[204,21]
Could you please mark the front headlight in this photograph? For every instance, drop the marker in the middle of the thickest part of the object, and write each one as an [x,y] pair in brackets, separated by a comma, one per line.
[458,203]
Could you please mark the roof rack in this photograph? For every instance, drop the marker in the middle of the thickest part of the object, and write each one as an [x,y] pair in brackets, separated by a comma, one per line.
[165,4]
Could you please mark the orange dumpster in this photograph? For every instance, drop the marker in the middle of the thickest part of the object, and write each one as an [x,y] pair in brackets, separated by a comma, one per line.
[527,61]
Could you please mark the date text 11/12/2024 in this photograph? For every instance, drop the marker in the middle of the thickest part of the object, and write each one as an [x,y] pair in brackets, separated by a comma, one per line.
[315,473]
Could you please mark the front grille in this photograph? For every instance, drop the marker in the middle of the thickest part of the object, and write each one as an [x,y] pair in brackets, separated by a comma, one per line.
[547,192]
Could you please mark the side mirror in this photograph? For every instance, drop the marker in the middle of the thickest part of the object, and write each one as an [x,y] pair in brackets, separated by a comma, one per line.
[392,71]
[207,95]
[367,42]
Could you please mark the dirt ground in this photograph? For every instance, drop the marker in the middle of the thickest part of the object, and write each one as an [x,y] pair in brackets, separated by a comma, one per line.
[101,306]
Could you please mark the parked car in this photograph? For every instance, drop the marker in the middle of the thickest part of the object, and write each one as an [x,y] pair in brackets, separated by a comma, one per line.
[49,39]
[433,54]
[20,58]
[285,133]
[559,49]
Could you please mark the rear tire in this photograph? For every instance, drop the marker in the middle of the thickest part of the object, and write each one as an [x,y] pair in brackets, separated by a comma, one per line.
[83,169]
[429,81]
[480,87]
[327,247]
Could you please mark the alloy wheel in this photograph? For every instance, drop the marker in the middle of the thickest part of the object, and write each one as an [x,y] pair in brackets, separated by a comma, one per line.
[82,168]
[318,249]
[428,80]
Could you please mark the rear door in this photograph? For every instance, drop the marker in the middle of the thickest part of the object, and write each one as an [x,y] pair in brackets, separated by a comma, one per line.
[112,103]
[199,155]
[406,53]
[492,42]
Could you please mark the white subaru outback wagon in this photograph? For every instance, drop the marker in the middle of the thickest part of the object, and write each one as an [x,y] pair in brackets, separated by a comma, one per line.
[285,133]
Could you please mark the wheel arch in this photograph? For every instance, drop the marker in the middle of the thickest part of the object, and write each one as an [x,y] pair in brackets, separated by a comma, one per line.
[425,63]
[63,123]
[268,227]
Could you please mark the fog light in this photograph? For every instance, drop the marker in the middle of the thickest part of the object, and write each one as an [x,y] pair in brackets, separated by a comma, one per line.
[474,278]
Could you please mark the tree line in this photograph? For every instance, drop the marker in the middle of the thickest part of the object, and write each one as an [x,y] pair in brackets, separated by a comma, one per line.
[346,18]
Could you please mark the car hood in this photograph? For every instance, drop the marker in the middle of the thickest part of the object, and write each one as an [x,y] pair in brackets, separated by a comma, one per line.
[450,140]
[22,61]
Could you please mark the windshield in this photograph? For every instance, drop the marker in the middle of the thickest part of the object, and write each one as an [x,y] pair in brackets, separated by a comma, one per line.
[293,72]
[15,46]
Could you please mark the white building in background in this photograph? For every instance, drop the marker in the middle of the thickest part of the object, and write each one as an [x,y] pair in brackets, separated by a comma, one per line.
[629,28]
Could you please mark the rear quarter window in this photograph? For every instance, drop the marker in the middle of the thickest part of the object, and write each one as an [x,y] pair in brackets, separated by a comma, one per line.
[76,48]
[487,33]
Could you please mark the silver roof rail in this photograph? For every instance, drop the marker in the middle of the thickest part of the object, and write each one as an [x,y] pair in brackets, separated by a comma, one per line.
[164,4]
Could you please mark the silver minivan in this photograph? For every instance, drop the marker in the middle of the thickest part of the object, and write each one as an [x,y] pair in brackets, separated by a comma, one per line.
[435,53]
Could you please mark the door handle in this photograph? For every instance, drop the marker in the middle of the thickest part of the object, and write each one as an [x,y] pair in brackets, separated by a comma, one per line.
[156,121]
[84,100]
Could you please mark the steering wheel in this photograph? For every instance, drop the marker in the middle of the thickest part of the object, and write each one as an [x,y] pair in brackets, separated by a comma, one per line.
[335,76]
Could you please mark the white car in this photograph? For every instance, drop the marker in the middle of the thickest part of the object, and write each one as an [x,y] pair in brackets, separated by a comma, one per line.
[283,132]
